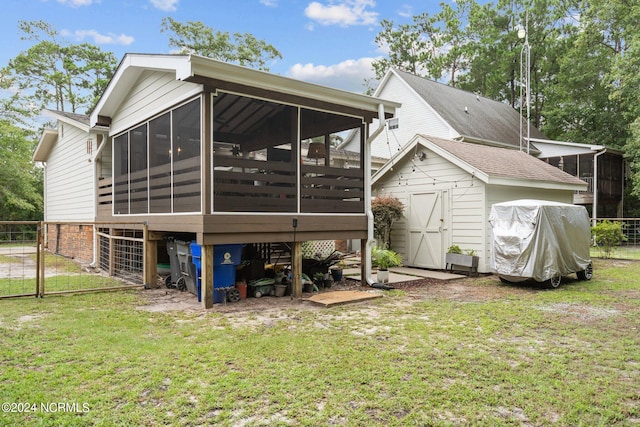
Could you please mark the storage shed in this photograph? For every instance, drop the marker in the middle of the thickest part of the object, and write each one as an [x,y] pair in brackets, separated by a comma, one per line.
[448,187]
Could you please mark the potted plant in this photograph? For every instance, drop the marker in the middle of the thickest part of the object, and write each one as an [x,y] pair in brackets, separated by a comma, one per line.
[460,258]
[318,279]
[384,259]
[336,271]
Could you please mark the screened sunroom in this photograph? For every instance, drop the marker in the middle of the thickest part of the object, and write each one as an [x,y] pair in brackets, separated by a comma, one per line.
[230,154]
[267,157]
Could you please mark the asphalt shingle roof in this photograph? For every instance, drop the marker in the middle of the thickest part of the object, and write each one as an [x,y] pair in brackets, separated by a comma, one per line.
[470,114]
[80,118]
[504,162]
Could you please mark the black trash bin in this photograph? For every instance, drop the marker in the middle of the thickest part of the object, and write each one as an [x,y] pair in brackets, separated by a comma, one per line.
[174,263]
[188,279]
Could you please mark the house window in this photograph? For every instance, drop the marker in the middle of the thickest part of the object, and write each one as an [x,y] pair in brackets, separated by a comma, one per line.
[185,131]
[121,174]
[157,164]
[274,157]
[254,155]
[328,184]
[138,182]
[160,164]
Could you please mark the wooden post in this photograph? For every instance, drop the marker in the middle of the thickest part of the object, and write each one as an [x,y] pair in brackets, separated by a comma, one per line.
[150,263]
[39,259]
[41,255]
[296,270]
[206,283]
[112,254]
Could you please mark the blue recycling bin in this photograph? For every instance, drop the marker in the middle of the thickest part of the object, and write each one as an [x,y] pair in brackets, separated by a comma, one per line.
[225,259]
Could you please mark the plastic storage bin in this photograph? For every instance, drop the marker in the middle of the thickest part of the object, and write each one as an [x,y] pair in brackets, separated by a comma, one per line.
[225,259]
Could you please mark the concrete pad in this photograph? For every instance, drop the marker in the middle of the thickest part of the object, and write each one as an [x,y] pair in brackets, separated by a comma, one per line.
[406,274]
[427,274]
[399,274]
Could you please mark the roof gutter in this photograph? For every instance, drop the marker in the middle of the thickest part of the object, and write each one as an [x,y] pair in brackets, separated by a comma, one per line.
[595,184]
[367,195]
[491,143]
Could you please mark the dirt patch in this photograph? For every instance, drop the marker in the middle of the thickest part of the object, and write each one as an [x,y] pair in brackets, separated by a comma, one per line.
[166,300]
[581,312]
[471,289]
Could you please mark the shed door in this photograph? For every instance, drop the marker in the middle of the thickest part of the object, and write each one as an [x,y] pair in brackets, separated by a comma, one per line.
[428,228]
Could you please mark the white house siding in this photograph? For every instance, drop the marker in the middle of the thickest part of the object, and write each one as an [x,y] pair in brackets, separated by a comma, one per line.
[153,93]
[414,117]
[465,198]
[69,177]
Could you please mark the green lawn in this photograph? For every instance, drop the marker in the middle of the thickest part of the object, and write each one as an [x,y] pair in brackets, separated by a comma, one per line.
[564,357]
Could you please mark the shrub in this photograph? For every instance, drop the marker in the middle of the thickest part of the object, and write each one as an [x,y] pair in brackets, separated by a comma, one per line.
[385,258]
[386,209]
[607,235]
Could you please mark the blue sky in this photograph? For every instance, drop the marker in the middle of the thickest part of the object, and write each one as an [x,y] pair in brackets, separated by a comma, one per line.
[330,42]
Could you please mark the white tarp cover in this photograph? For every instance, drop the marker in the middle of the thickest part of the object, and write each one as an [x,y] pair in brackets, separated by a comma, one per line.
[537,239]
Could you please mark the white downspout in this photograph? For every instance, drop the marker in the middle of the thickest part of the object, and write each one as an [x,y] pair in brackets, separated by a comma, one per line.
[367,193]
[594,214]
[101,145]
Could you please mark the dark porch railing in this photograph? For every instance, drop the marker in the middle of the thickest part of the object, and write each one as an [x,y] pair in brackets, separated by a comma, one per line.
[246,185]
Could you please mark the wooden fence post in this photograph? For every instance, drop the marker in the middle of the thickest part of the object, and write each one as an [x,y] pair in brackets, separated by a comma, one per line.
[206,284]
[296,270]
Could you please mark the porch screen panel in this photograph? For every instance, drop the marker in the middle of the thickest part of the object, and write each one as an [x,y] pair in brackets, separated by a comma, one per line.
[185,154]
[160,164]
[121,174]
[138,185]
[255,155]
[332,181]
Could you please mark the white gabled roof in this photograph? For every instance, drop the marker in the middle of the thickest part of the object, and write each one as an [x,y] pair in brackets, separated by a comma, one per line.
[45,145]
[188,66]
[50,136]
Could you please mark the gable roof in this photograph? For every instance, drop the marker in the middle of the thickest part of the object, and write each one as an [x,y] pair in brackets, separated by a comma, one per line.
[192,67]
[50,136]
[474,117]
[491,165]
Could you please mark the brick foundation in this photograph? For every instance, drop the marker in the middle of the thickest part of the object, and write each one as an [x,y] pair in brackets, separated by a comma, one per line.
[70,240]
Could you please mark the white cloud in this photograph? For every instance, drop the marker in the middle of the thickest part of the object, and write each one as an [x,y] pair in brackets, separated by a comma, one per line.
[347,75]
[165,5]
[100,39]
[77,3]
[406,11]
[269,3]
[344,14]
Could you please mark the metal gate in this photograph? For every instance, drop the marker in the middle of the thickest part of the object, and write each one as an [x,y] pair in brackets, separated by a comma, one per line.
[46,258]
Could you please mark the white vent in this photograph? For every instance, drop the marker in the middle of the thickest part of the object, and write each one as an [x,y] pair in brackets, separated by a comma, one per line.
[393,123]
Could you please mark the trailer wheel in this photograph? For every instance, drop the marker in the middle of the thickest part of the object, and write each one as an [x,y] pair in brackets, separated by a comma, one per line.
[554,282]
[257,294]
[586,274]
